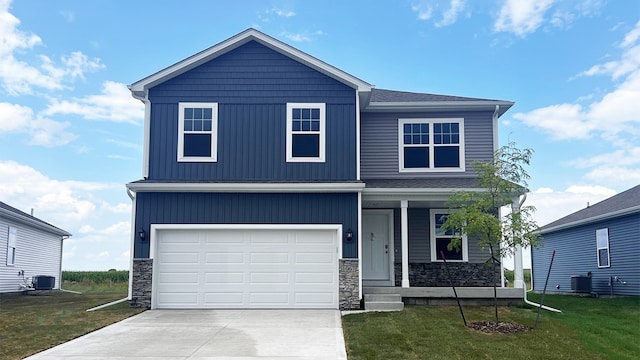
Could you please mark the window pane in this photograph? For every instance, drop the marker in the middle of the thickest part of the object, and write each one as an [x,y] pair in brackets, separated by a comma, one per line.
[188,113]
[197,113]
[437,139]
[297,125]
[424,128]
[305,145]
[446,139]
[455,139]
[407,128]
[441,245]
[446,156]
[188,125]
[446,128]
[297,114]
[306,126]
[315,125]
[306,113]
[416,139]
[440,220]
[437,128]
[416,157]
[415,128]
[425,139]
[603,257]
[455,128]
[208,113]
[315,113]
[206,125]
[197,125]
[197,145]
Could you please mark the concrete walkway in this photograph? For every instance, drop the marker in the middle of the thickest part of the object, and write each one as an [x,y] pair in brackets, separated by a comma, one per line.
[212,334]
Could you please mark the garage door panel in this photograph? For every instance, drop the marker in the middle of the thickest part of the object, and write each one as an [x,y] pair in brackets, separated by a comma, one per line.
[246,269]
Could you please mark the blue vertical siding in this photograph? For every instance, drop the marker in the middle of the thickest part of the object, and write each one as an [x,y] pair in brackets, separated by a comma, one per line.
[576,255]
[252,85]
[246,208]
[379,139]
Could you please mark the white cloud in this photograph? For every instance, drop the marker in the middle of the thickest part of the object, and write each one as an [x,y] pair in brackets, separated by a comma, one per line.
[552,205]
[423,9]
[114,103]
[449,9]
[521,17]
[16,118]
[282,13]
[451,14]
[19,77]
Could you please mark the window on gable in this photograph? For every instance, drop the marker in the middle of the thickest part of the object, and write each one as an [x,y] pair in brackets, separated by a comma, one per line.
[602,248]
[440,239]
[431,145]
[11,245]
[197,132]
[305,132]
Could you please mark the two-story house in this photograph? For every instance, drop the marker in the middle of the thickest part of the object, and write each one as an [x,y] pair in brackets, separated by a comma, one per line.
[274,180]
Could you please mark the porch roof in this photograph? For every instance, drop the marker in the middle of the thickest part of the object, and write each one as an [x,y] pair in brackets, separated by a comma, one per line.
[454,184]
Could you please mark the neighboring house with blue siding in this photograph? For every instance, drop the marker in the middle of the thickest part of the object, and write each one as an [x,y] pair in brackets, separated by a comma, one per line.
[274,180]
[597,247]
[29,247]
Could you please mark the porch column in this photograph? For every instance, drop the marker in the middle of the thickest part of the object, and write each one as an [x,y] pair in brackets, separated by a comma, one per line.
[404,236]
[518,271]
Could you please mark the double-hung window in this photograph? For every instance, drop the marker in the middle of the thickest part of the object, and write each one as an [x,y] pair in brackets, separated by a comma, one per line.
[427,145]
[440,238]
[11,246]
[197,132]
[602,247]
[306,132]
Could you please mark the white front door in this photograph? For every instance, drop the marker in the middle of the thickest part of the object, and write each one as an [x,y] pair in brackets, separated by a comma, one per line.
[377,248]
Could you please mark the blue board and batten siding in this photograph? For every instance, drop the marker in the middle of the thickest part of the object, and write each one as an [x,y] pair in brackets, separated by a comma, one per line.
[576,255]
[252,85]
[246,208]
[379,141]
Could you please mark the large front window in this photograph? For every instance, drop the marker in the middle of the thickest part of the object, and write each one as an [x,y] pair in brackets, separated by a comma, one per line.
[440,239]
[197,132]
[431,145]
[305,132]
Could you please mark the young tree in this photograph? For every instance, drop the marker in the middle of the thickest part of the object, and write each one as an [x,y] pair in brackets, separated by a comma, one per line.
[476,214]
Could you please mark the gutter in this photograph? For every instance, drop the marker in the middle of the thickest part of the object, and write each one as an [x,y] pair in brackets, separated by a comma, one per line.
[607,216]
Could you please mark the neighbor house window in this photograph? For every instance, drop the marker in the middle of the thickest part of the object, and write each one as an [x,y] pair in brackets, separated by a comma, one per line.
[431,145]
[602,248]
[197,132]
[305,132]
[440,238]
[11,245]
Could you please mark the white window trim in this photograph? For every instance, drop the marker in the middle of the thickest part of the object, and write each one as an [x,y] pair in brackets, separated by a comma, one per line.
[321,132]
[604,232]
[431,145]
[12,238]
[213,132]
[432,237]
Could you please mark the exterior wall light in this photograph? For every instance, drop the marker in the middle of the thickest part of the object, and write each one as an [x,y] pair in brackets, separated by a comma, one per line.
[349,235]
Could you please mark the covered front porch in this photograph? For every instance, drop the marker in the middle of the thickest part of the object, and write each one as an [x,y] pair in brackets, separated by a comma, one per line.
[400,249]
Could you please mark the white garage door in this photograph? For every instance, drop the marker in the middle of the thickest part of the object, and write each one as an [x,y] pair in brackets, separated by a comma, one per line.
[233,268]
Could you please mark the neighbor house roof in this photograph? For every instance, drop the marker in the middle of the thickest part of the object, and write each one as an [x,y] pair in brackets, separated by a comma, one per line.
[624,203]
[22,217]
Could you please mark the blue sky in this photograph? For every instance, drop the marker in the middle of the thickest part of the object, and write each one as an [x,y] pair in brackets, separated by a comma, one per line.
[71,134]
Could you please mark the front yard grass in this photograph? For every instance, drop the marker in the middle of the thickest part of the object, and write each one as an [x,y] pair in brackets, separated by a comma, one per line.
[35,322]
[587,328]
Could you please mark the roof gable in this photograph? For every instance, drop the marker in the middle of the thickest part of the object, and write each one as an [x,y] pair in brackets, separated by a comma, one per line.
[17,215]
[624,203]
[140,88]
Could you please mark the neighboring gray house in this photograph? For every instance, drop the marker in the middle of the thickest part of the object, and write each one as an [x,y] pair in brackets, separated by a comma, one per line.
[272,179]
[598,245]
[28,247]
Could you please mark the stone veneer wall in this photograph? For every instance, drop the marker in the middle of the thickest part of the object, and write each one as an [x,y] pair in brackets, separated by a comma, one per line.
[349,289]
[141,288]
[462,274]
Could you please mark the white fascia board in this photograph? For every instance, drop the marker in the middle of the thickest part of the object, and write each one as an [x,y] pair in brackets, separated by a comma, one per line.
[429,106]
[417,191]
[140,87]
[592,219]
[247,187]
[34,223]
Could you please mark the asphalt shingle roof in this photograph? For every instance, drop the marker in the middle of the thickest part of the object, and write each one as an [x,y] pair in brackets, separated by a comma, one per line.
[382,95]
[625,200]
[33,219]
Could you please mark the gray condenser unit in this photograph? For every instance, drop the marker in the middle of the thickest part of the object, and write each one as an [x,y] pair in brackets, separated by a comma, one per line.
[581,283]
[43,282]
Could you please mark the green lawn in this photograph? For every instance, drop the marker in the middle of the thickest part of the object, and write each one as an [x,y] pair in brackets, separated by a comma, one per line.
[587,328]
[35,322]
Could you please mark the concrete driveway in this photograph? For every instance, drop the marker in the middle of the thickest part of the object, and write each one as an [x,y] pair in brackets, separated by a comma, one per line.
[212,334]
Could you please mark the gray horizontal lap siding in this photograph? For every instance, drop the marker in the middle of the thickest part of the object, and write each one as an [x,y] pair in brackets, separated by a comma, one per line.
[252,85]
[576,255]
[236,208]
[379,139]
[419,239]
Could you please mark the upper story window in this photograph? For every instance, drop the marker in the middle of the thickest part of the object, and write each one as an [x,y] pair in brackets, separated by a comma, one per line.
[440,239]
[429,145]
[11,246]
[305,132]
[198,132]
[602,247]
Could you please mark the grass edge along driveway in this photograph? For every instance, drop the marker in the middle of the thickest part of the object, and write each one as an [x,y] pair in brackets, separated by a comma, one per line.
[594,328]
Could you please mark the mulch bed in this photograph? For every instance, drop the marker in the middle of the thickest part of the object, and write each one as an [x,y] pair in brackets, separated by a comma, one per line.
[490,327]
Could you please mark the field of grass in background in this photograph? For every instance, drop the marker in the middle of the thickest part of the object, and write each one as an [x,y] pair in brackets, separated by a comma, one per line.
[43,319]
[96,281]
[508,274]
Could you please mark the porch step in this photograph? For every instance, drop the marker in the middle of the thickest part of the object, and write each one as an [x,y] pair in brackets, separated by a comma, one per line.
[383,302]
